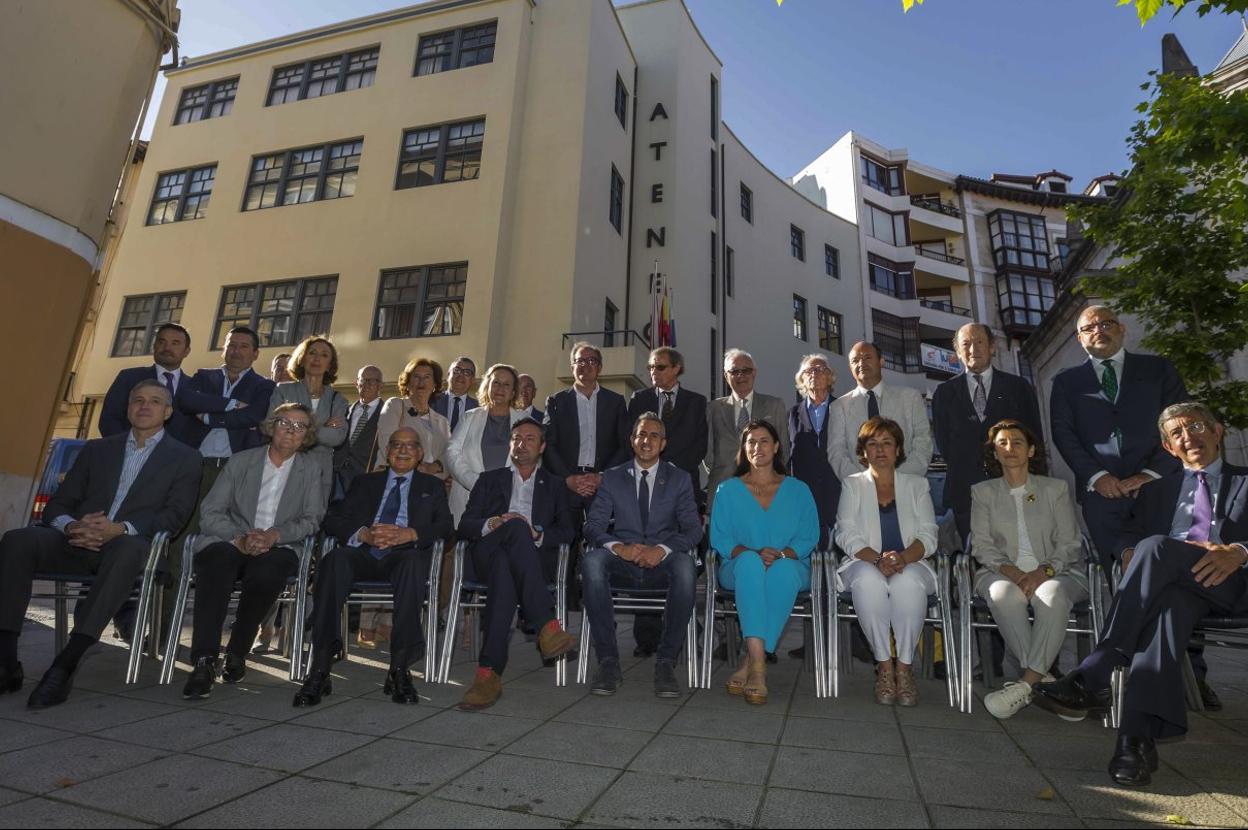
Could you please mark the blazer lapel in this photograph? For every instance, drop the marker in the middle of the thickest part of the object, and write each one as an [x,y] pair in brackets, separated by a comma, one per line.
[248,495]
[291,495]
[1228,490]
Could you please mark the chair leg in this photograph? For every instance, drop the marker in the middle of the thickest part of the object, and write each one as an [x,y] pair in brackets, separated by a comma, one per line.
[1191,689]
[691,651]
[62,616]
[177,617]
[582,658]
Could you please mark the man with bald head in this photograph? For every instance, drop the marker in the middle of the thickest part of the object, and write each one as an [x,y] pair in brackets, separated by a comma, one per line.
[358,454]
[964,407]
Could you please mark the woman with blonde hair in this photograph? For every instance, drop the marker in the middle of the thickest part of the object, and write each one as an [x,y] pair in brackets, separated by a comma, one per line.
[482,438]
[314,365]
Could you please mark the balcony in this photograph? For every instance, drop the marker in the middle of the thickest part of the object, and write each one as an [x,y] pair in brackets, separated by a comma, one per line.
[931,217]
[941,305]
[625,354]
[934,260]
[933,203]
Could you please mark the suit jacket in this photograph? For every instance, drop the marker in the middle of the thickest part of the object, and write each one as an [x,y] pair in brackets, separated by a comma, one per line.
[441,404]
[808,461]
[563,432]
[352,458]
[900,403]
[724,437]
[615,515]
[960,435]
[427,511]
[491,496]
[1153,511]
[204,394]
[229,509]
[686,429]
[113,419]
[1084,421]
[1052,526]
[161,498]
[331,405]
[858,515]
[463,456]
[534,413]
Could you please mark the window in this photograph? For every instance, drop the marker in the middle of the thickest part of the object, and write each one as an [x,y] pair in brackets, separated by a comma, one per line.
[799,317]
[882,177]
[282,313]
[608,324]
[1056,186]
[323,76]
[1018,240]
[714,108]
[714,183]
[830,331]
[832,261]
[421,302]
[207,101]
[747,204]
[797,242]
[182,194]
[456,49]
[616,210]
[140,317]
[444,153]
[308,174]
[885,226]
[892,278]
[898,341]
[714,273]
[621,102]
[729,265]
[1024,298]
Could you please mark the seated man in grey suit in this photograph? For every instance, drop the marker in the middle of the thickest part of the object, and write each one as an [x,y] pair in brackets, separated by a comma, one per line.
[1186,554]
[120,492]
[727,416]
[265,502]
[641,526]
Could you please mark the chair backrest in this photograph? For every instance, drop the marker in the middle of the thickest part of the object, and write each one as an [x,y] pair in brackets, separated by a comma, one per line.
[62,453]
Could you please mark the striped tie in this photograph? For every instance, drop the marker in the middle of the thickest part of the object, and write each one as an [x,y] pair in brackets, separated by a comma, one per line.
[360,424]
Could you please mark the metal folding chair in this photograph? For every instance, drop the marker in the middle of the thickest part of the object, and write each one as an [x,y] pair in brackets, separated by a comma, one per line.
[809,606]
[468,595]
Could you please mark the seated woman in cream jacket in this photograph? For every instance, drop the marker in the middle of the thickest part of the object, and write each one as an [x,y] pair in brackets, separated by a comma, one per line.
[885,522]
[482,439]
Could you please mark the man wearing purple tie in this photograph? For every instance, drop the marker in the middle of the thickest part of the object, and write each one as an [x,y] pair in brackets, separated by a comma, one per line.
[170,347]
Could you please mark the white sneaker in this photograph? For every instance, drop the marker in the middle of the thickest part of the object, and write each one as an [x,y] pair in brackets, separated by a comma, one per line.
[1008,701]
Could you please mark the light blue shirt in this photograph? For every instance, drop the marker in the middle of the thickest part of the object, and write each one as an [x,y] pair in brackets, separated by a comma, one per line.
[405,490]
[134,459]
[216,444]
[1181,524]
[818,413]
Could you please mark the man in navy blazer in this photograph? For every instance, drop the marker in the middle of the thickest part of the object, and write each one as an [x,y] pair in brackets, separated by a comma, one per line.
[1103,415]
[964,407]
[228,403]
[641,527]
[385,527]
[456,400]
[121,491]
[527,394]
[1187,556]
[170,347]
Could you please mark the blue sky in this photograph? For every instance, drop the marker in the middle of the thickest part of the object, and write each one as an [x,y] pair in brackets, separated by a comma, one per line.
[969,86]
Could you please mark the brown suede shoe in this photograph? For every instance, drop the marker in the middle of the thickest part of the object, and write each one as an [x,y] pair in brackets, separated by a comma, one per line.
[485,691]
[555,642]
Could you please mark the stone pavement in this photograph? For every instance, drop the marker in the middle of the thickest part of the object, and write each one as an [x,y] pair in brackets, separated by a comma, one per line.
[118,756]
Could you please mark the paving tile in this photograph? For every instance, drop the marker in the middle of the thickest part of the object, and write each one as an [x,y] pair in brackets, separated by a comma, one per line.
[1232,792]
[303,802]
[961,745]
[405,766]
[51,766]
[1035,721]
[180,731]
[645,800]
[86,712]
[678,755]
[43,812]
[945,816]
[531,785]
[795,808]
[266,704]
[1012,787]
[476,730]
[581,744]
[284,747]
[849,706]
[1204,760]
[847,773]
[850,736]
[436,814]
[625,714]
[1169,794]
[17,734]
[753,724]
[369,717]
[934,712]
[541,705]
[8,796]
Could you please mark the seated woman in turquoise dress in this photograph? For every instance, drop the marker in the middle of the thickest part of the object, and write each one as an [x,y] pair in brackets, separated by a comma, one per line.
[764,526]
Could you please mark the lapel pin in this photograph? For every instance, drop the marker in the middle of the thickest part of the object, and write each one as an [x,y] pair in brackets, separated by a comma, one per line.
[1031,498]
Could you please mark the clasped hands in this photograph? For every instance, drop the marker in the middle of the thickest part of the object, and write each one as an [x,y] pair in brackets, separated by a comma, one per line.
[768,555]
[386,536]
[93,531]
[891,562]
[1109,486]
[644,556]
[255,541]
[1027,581]
[584,485]
[500,520]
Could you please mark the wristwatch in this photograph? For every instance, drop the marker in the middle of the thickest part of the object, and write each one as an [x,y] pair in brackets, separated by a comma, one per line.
[1049,572]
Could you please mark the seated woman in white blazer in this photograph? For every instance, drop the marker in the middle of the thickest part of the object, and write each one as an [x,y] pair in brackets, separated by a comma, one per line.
[885,522]
[482,439]
[1025,537]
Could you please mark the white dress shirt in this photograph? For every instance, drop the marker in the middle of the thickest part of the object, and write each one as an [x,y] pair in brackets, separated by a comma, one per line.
[272,485]
[216,443]
[986,375]
[587,420]
[738,403]
[1027,561]
[521,503]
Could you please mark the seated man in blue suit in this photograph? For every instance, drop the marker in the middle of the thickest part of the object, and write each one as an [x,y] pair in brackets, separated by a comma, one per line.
[641,525]
[1186,563]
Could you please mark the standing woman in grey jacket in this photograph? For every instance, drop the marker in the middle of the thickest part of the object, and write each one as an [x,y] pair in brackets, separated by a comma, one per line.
[314,364]
[1025,536]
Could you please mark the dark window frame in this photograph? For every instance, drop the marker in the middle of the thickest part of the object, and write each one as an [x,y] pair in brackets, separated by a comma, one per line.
[797,242]
[615,210]
[714,183]
[714,108]
[343,75]
[297,313]
[216,94]
[901,285]
[830,323]
[1022,299]
[422,301]
[452,59]
[186,192]
[610,319]
[1012,248]
[891,239]
[321,177]
[442,153]
[621,101]
[149,326]
[801,327]
[894,175]
[714,272]
[747,204]
[831,261]
[898,341]
[729,269]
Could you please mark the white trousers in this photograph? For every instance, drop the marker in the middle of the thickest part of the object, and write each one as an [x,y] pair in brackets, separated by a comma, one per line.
[1037,644]
[896,603]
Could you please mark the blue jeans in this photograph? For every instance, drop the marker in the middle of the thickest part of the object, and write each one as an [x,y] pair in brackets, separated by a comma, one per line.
[602,570]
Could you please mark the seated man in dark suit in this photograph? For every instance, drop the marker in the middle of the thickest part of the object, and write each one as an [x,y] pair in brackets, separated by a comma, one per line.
[121,491]
[516,519]
[641,525]
[170,347]
[387,523]
[1190,567]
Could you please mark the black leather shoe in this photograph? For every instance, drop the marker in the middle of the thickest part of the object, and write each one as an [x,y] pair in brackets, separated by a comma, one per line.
[1134,761]
[11,680]
[1070,698]
[1209,697]
[317,685]
[400,687]
[203,674]
[53,689]
[607,678]
[772,658]
[798,653]
[665,683]
[235,668]
[643,651]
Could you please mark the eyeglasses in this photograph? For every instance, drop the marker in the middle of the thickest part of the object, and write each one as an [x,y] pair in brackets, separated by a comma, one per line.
[293,426]
[1194,428]
[658,367]
[587,361]
[460,371]
[740,373]
[370,381]
[410,446]
[815,370]
[1102,326]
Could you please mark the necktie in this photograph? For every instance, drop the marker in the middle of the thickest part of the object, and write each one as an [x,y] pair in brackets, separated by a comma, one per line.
[390,511]
[981,397]
[643,498]
[666,414]
[873,405]
[743,417]
[362,411]
[169,383]
[1202,511]
[1109,380]
[454,413]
